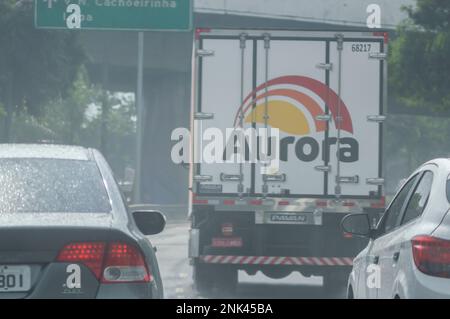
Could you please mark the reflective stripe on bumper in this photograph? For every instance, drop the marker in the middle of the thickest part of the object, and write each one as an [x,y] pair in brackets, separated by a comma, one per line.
[282,261]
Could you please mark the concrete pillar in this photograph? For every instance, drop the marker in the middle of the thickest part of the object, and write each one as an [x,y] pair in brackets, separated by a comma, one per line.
[167,102]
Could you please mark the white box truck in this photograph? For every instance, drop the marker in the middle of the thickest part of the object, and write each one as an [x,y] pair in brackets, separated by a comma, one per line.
[325,92]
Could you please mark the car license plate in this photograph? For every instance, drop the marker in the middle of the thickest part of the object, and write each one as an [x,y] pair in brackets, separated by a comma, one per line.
[15,278]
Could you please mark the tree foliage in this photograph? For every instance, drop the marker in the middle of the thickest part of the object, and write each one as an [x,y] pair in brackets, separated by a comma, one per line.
[77,119]
[45,92]
[419,61]
[36,65]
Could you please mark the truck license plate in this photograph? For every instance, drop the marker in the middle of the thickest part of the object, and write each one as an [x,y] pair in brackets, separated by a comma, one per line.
[287,218]
[227,242]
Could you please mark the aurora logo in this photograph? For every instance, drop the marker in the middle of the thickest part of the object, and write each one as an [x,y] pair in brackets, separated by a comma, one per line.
[292,107]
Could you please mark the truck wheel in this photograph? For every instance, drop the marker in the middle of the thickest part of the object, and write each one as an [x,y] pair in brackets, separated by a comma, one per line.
[226,280]
[335,283]
[203,278]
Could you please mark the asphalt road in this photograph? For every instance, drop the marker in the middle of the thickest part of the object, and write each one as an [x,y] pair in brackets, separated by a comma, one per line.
[176,273]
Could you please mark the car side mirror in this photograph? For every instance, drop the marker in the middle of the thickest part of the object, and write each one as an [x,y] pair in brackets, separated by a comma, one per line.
[357,224]
[150,222]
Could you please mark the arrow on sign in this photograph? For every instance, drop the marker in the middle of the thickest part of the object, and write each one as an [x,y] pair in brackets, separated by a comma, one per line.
[50,3]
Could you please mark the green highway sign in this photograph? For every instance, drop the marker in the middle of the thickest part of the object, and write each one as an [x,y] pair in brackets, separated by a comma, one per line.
[133,15]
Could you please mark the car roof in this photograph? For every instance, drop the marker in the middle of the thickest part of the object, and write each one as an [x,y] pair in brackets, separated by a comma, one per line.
[443,163]
[48,151]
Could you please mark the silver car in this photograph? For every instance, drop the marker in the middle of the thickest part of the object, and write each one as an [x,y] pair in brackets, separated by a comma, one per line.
[65,230]
[408,255]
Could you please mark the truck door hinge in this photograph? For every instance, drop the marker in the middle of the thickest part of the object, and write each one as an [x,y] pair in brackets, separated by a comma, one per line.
[203,116]
[376,118]
[203,178]
[347,179]
[243,39]
[266,40]
[204,53]
[323,118]
[323,168]
[274,178]
[340,41]
[377,55]
[231,178]
[325,66]
[375,181]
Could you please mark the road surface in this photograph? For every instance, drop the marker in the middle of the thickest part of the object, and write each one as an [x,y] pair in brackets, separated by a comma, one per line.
[176,273]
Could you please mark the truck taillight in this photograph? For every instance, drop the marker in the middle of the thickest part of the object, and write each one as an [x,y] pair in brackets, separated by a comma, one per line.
[227,229]
[385,35]
[199,31]
[379,204]
[347,235]
[348,204]
[432,255]
[321,203]
[109,262]
[229,202]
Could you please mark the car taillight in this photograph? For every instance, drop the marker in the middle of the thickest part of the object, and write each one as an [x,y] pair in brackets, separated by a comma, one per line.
[432,255]
[124,263]
[89,254]
[109,262]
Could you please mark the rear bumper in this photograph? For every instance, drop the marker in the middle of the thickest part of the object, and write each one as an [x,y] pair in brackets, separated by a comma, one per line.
[277,260]
[127,291]
[417,285]
[53,279]
[296,244]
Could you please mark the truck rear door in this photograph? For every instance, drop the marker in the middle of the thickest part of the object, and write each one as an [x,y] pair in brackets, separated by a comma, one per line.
[222,78]
[283,63]
[315,83]
[320,97]
[358,79]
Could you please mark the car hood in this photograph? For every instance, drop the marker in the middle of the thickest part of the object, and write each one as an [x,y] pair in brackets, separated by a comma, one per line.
[49,220]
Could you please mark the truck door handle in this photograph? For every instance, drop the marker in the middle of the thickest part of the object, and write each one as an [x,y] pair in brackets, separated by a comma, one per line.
[396,256]
[376,259]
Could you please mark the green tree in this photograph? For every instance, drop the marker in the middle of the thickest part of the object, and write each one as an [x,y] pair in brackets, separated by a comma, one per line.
[65,116]
[77,119]
[120,128]
[36,66]
[419,61]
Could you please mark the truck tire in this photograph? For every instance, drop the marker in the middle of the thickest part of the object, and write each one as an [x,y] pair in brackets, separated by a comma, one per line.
[335,283]
[226,280]
[203,278]
[215,279]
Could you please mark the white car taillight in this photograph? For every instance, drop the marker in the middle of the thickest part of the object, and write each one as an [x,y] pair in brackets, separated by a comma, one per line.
[432,255]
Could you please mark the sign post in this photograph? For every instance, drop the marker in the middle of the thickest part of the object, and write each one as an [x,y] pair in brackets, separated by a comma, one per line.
[140,119]
[120,15]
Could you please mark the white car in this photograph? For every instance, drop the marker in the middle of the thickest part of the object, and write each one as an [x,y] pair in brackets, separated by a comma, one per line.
[408,255]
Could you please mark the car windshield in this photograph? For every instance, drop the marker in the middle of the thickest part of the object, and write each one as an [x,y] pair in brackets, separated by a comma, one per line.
[51,185]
